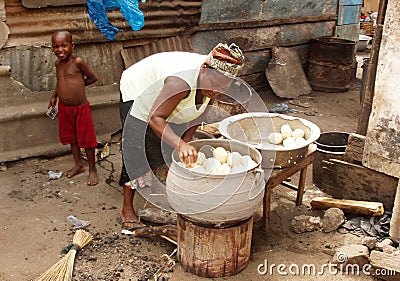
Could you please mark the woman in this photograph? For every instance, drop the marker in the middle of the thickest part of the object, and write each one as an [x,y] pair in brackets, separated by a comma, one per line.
[168,94]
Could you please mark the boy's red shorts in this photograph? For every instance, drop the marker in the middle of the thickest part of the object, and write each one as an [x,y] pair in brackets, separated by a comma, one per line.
[75,124]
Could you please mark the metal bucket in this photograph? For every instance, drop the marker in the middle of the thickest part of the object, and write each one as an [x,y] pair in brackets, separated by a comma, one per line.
[330,64]
[217,199]
[330,145]
[253,128]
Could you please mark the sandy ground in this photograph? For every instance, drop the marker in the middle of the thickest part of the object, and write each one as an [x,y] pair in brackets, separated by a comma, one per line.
[34,209]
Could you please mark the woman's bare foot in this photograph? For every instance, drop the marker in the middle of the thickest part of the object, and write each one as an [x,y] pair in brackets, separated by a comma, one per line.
[74,171]
[93,178]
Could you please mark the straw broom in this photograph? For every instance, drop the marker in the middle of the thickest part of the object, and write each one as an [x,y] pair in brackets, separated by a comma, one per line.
[62,270]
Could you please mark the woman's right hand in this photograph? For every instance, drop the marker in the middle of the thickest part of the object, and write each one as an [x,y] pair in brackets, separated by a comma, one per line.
[187,154]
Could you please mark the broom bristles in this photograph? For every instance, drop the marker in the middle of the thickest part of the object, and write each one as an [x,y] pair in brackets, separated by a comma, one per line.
[62,270]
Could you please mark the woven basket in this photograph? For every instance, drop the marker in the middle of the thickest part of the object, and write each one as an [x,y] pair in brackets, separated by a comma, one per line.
[367,26]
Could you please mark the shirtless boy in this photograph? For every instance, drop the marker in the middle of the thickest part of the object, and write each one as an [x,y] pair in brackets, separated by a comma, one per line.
[74,116]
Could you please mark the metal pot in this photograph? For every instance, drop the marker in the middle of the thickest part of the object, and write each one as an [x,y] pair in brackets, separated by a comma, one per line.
[253,128]
[218,199]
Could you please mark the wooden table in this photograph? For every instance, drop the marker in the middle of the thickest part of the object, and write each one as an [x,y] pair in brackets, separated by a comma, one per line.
[278,176]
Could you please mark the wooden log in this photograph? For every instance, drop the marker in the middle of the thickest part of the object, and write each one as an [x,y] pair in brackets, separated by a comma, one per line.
[385,266]
[214,252]
[362,208]
[164,230]
[355,148]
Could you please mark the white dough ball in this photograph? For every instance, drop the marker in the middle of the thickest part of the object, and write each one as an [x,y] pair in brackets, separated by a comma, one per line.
[251,164]
[200,158]
[301,142]
[211,164]
[234,159]
[275,138]
[198,168]
[289,142]
[238,169]
[298,133]
[286,131]
[221,154]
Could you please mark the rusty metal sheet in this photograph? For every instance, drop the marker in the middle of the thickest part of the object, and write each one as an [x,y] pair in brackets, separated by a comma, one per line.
[225,11]
[34,66]
[162,19]
[132,55]
[382,145]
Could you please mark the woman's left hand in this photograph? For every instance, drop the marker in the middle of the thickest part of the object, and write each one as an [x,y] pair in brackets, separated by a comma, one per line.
[187,154]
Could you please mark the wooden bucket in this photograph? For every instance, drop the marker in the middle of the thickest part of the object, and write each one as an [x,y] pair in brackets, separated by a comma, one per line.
[213,252]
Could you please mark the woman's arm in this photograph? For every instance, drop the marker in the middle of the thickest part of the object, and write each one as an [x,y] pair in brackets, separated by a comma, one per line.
[172,93]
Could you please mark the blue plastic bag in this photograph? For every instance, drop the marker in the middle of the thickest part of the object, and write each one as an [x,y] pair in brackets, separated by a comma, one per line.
[129,9]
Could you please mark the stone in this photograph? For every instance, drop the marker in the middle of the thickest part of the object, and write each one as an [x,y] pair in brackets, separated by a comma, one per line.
[370,242]
[352,254]
[304,223]
[379,245]
[388,249]
[333,218]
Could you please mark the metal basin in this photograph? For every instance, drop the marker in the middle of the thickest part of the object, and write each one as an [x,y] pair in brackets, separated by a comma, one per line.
[253,129]
[218,199]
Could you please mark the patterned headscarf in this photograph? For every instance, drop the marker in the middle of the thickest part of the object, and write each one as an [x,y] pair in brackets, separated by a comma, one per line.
[226,59]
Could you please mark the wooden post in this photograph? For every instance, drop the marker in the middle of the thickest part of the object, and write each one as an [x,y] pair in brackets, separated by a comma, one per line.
[366,106]
[214,252]
[395,220]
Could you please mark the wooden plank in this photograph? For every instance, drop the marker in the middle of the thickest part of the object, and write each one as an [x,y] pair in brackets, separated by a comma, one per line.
[355,148]
[395,220]
[344,180]
[348,31]
[382,146]
[2,10]
[385,266]
[45,3]
[261,38]
[224,11]
[349,13]
[285,74]
[354,207]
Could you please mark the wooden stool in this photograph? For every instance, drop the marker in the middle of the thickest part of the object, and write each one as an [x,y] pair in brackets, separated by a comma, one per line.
[278,176]
[213,252]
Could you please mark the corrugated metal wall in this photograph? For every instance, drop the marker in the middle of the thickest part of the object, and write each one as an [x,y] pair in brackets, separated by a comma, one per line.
[162,19]
[28,51]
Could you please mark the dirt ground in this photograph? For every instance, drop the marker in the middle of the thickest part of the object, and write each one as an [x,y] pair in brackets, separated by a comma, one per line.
[34,210]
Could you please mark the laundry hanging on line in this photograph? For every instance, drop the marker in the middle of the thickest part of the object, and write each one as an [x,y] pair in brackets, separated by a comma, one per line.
[129,9]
